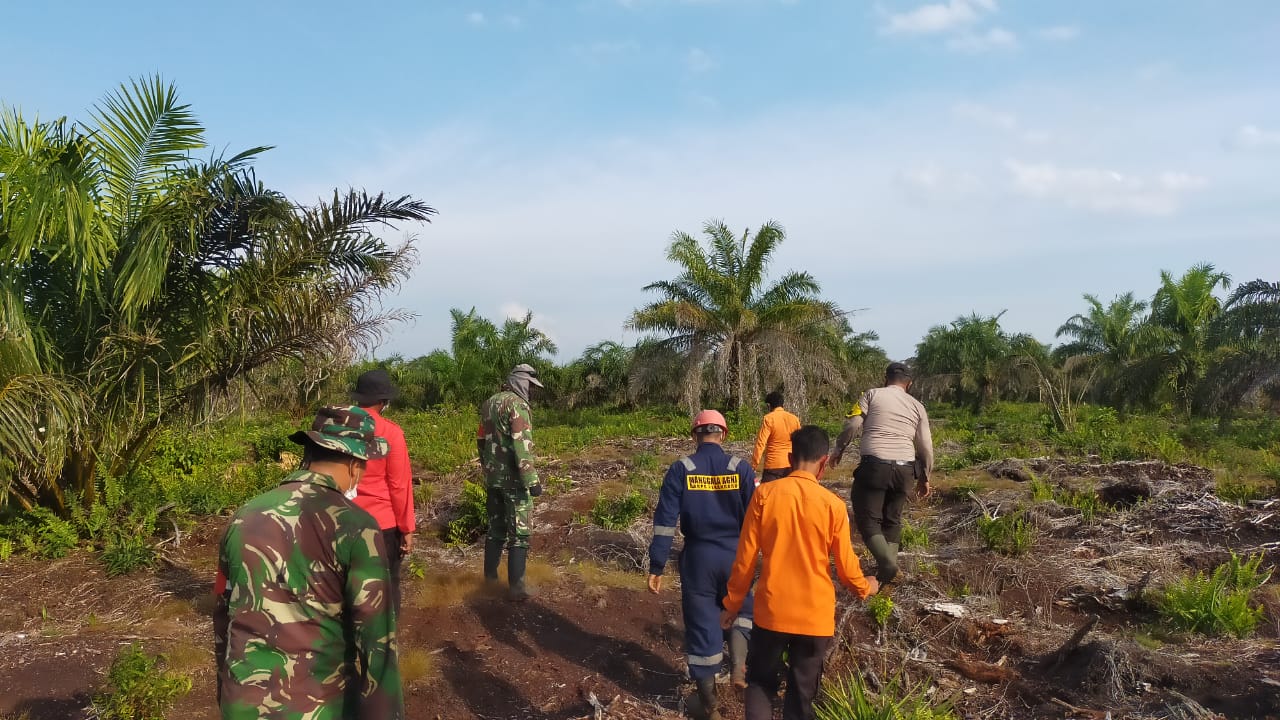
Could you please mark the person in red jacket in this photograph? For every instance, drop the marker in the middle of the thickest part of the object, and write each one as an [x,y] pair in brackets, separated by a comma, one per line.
[386,492]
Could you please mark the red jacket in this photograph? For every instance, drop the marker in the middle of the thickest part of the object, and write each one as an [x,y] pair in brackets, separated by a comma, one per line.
[386,490]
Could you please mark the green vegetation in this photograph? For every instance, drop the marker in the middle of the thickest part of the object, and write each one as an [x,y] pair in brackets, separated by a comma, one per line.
[1217,604]
[1086,501]
[138,688]
[849,698]
[915,536]
[880,608]
[618,511]
[1010,534]
[472,518]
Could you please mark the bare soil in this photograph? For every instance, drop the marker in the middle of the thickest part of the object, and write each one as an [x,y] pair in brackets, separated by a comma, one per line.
[593,643]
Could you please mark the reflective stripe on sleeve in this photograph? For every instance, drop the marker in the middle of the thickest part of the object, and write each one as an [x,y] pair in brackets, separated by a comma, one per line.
[733,463]
[706,659]
[664,530]
[688,463]
[744,623]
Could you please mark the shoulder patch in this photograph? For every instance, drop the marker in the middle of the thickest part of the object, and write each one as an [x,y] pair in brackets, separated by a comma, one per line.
[855,411]
[688,463]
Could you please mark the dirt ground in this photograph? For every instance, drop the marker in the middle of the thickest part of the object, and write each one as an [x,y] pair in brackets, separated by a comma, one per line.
[987,632]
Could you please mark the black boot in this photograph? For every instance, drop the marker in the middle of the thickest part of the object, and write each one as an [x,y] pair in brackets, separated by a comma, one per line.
[492,559]
[516,560]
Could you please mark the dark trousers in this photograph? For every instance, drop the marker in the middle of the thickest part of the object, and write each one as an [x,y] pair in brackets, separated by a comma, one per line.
[805,656]
[771,474]
[704,576]
[879,493]
[392,539]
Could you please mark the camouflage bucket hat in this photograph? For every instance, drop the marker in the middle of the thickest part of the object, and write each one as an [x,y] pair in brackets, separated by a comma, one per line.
[348,430]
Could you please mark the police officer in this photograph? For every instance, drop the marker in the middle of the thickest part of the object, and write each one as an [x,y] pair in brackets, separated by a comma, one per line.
[897,448]
[505,442]
[708,493]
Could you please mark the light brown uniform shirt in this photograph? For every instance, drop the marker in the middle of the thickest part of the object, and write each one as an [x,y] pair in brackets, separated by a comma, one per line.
[894,426]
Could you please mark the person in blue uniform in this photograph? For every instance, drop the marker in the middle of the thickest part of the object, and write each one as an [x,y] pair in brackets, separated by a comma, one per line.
[707,494]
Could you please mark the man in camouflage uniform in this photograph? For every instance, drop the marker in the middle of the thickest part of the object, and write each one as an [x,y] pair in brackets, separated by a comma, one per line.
[505,442]
[304,628]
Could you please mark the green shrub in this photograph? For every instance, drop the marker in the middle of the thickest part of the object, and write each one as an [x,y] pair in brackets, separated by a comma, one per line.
[473,516]
[6,549]
[915,536]
[965,490]
[124,553]
[1086,501]
[1010,534]
[849,698]
[880,608]
[51,536]
[138,688]
[1237,492]
[1217,604]
[1041,491]
[617,512]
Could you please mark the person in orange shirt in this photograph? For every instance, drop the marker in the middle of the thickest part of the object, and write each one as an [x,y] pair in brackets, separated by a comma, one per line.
[796,527]
[773,442]
[386,492]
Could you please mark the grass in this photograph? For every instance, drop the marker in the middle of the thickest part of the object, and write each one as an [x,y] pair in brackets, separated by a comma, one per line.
[139,687]
[915,536]
[417,666]
[1086,501]
[1240,493]
[966,489]
[849,698]
[445,589]
[1216,604]
[472,516]
[618,512]
[1010,534]
[596,575]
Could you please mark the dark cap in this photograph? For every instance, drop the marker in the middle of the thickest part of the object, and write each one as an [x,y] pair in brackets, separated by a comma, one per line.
[897,369]
[374,386]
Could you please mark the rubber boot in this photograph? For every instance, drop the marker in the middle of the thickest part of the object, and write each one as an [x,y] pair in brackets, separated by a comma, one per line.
[737,658]
[886,559]
[492,559]
[707,701]
[516,560]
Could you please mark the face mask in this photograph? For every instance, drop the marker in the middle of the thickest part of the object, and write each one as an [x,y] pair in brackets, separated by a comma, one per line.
[350,494]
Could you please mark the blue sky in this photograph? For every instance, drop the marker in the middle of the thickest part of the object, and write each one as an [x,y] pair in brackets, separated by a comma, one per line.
[928,159]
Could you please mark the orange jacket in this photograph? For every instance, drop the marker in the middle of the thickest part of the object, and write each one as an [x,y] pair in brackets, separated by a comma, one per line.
[797,526]
[773,442]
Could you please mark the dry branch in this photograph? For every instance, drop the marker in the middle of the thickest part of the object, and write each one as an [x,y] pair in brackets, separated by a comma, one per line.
[1054,660]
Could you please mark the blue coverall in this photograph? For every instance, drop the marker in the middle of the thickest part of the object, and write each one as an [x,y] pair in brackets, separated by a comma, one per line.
[708,492]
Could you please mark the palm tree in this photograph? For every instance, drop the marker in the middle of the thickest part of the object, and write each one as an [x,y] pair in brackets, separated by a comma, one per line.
[151,283]
[481,354]
[1106,341]
[720,311]
[1184,310]
[974,354]
[1246,341]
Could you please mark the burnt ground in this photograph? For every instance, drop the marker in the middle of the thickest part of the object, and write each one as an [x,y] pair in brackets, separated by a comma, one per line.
[986,632]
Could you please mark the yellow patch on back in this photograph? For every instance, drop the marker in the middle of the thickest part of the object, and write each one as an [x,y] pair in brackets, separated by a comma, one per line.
[856,411]
[714,483]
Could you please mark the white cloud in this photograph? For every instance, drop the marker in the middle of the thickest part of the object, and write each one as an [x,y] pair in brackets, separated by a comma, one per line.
[698,60]
[993,39]
[1060,32]
[1252,137]
[512,310]
[1101,189]
[998,120]
[933,178]
[937,18]
[476,18]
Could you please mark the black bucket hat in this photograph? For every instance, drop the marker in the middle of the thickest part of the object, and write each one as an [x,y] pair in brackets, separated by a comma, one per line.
[374,386]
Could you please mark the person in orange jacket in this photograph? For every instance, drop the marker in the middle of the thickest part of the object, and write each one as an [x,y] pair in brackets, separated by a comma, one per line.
[773,442]
[386,492]
[796,527]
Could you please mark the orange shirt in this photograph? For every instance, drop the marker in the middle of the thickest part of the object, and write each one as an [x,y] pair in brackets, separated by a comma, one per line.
[773,442]
[797,526]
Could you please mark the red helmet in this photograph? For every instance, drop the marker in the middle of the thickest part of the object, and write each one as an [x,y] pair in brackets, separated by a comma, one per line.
[710,417]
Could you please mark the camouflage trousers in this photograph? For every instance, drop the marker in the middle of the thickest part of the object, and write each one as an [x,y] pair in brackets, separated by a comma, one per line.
[509,516]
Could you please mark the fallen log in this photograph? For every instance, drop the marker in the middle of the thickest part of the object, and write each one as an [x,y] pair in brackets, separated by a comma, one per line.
[979,670]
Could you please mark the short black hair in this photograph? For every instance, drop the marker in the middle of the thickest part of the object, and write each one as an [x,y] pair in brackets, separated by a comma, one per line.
[774,399]
[897,372]
[810,443]
[312,453]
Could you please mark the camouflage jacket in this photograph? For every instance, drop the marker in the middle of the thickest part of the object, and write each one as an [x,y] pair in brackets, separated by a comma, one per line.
[303,629]
[506,442]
